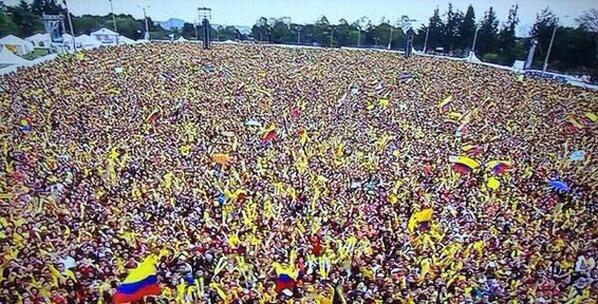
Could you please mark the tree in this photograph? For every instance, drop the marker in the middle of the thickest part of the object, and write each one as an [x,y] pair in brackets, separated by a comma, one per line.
[507,37]
[188,31]
[588,21]
[51,7]
[467,29]
[323,31]
[7,26]
[542,30]
[451,28]
[436,27]
[487,35]
[27,22]
[362,24]
[261,30]
[343,33]
[281,32]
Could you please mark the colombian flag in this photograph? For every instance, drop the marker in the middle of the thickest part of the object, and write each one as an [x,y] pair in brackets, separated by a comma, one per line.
[140,282]
[269,134]
[287,277]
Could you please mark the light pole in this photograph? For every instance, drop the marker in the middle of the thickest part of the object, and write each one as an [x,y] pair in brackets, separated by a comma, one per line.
[475,38]
[298,28]
[359,37]
[556,25]
[146,35]
[331,35]
[68,16]
[114,21]
[390,36]
[426,39]
[195,28]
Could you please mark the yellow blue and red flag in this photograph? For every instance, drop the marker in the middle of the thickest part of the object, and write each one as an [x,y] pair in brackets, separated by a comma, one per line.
[140,282]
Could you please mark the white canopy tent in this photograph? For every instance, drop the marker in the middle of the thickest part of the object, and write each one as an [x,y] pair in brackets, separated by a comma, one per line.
[8,58]
[105,36]
[125,40]
[41,41]
[182,39]
[86,42]
[17,45]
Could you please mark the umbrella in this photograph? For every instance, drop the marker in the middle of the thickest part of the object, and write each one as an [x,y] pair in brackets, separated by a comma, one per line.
[558,185]
[253,123]
[577,155]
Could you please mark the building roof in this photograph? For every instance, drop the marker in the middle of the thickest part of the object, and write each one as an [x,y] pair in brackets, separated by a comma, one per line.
[7,57]
[125,40]
[12,39]
[104,31]
[38,36]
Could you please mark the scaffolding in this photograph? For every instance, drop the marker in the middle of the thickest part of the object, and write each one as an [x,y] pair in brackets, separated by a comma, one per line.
[204,16]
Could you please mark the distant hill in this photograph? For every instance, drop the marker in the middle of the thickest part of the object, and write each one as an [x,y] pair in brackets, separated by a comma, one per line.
[171,23]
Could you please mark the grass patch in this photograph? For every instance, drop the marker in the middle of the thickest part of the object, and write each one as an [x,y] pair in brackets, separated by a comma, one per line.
[35,54]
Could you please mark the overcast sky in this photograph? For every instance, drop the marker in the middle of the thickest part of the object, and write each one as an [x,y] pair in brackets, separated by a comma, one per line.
[246,12]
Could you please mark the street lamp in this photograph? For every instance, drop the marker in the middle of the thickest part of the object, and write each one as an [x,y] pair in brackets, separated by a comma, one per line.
[298,28]
[146,35]
[390,36]
[114,21]
[475,38]
[331,35]
[556,25]
[426,39]
[68,16]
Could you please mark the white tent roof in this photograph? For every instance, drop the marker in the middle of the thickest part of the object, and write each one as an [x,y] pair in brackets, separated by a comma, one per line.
[182,39]
[86,39]
[12,39]
[7,57]
[125,40]
[103,31]
[38,36]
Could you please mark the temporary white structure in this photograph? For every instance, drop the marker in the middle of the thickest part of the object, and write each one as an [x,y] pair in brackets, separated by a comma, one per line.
[105,36]
[86,42]
[125,40]
[41,41]
[17,45]
[8,58]
[182,39]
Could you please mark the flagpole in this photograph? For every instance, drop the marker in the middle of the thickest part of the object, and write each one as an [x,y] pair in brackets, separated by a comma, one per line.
[68,16]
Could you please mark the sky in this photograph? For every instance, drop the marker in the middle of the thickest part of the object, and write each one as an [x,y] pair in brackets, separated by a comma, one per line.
[246,12]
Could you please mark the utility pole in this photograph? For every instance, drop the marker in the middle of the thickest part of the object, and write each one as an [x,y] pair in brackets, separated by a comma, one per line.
[549,48]
[426,40]
[390,37]
[146,36]
[359,37]
[530,55]
[331,35]
[114,21]
[68,16]
[195,28]
[475,38]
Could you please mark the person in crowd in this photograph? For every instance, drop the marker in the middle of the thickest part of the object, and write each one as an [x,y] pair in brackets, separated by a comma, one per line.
[285,175]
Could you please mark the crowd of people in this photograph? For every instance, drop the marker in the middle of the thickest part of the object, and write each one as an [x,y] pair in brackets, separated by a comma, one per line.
[231,163]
